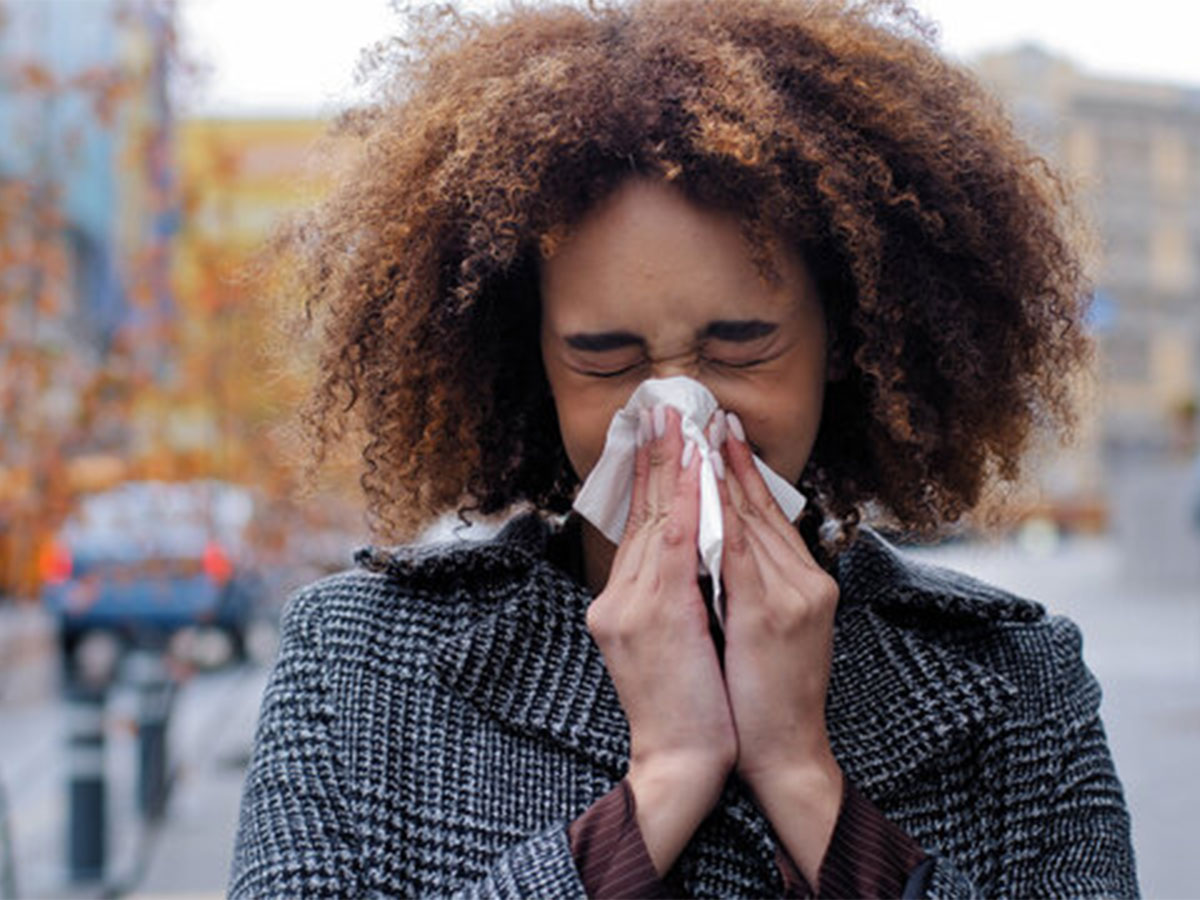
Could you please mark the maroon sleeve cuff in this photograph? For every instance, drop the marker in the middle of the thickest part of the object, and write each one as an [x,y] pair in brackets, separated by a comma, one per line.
[609,851]
[868,855]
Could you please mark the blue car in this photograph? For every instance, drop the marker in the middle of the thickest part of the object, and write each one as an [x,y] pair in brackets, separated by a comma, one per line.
[148,558]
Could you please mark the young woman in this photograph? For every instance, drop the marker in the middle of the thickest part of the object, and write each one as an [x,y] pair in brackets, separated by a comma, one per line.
[799,205]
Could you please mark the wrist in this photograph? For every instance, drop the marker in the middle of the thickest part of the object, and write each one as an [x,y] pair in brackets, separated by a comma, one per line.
[688,783]
[803,803]
[672,796]
[814,788]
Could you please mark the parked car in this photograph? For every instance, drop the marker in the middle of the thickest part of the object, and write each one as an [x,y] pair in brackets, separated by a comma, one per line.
[148,558]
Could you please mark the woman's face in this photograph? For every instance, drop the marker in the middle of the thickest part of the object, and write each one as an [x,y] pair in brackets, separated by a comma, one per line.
[651,285]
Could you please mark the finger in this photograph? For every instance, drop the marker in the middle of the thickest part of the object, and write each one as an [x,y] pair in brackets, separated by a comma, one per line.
[630,556]
[770,548]
[741,463]
[639,500]
[631,550]
[677,554]
[777,557]
[666,450]
[755,497]
[738,499]
[771,533]
[739,563]
[788,583]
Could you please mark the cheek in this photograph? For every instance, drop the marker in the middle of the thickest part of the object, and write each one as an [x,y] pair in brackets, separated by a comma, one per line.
[583,435]
[781,423]
[584,414]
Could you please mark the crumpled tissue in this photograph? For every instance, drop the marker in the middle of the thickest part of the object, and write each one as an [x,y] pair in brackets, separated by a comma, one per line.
[604,498]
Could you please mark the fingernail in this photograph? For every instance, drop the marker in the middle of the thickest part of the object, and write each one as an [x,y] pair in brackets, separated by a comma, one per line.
[643,427]
[716,432]
[718,465]
[689,450]
[660,420]
[735,426]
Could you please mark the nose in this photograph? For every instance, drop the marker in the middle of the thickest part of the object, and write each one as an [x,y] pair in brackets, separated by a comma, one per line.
[677,364]
[688,366]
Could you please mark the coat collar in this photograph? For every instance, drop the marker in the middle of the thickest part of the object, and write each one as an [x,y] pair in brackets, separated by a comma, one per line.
[898,696]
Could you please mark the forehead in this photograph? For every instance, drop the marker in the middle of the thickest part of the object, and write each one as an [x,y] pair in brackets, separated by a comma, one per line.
[648,252]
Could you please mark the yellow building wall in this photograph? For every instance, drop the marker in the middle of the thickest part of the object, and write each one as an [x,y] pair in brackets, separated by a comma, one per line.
[239,179]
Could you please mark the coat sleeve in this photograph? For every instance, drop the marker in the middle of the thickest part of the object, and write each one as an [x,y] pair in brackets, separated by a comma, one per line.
[1086,849]
[297,835]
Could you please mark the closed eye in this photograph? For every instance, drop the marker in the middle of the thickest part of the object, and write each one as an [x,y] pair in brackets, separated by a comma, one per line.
[735,340]
[725,362]
[614,373]
[728,364]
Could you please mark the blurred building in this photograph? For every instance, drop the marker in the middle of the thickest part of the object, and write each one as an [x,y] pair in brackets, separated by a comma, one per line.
[240,175]
[84,108]
[87,211]
[1133,151]
[239,178]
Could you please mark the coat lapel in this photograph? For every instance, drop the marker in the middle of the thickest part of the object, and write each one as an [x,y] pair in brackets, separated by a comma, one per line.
[898,701]
[900,695]
[529,662]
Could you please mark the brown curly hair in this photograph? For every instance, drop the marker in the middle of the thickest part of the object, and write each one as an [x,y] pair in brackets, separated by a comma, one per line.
[942,254]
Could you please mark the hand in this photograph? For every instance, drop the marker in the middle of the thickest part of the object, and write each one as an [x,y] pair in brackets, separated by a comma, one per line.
[779,612]
[651,624]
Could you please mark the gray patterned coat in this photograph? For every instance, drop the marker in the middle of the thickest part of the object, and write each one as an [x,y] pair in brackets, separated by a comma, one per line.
[437,717]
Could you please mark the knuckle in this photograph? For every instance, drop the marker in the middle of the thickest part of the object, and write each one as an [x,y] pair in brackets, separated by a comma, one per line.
[736,542]
[824,590]
[654,583]
[798,614]
[627,628]
[641,463]
[597,620]
[832,592]
[674,534]
[807,610]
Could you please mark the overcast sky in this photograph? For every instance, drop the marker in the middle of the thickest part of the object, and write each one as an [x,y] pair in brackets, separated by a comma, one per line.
[284,55]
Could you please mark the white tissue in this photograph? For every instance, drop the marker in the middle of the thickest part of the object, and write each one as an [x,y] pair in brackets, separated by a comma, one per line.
[604,498]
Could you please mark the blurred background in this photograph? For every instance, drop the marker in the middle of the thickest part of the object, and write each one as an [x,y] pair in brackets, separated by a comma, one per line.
[150,520]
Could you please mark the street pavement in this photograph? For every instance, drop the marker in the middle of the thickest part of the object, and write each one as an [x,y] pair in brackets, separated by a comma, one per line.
[187,854]
[1142,639]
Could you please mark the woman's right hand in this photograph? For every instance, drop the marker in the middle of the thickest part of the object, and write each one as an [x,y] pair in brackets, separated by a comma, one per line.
[651,624]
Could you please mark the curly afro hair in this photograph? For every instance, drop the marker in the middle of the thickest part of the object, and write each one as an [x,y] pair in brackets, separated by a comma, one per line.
[941,245]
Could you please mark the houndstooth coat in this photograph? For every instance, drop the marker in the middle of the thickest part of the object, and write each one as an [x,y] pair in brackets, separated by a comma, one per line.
[437,717]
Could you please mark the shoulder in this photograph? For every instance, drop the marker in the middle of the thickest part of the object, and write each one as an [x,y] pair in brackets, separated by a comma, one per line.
[1005,633]
[872,571]
[422,580]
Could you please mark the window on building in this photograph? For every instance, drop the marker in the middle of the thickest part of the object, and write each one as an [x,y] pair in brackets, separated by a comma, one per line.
[1172,264]
[1126,357]
[1169,162]
[1124,250]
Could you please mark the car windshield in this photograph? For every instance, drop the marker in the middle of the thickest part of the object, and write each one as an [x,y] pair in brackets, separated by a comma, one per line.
[158,520]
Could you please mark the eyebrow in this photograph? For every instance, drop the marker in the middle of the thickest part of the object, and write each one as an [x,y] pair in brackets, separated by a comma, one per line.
[600,341]
[739,330]
[733,330]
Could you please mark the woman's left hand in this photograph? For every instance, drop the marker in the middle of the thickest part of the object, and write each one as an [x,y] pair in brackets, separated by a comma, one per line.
[779,612]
